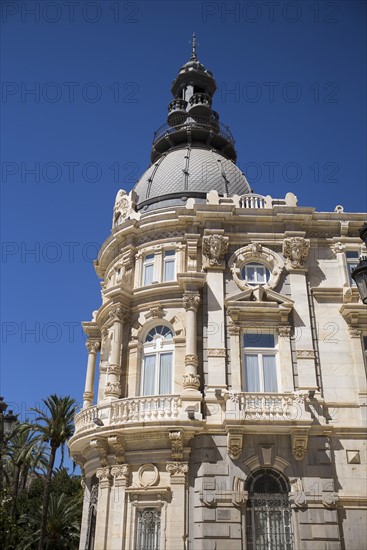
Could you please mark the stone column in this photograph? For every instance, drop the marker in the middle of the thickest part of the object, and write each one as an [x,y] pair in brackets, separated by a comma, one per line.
[113,387]
[88,395]
[191,379]
[104,477]
[176,512]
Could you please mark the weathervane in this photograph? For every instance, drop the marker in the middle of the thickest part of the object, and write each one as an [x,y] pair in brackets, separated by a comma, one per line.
[193,42]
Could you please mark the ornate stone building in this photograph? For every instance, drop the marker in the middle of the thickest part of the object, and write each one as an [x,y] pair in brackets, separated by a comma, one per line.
[230,388]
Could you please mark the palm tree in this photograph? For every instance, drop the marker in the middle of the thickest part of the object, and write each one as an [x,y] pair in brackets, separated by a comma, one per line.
[54,426]
[62,526]
[27,453]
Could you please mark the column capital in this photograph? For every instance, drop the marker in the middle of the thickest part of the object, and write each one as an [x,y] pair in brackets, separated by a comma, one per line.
[118,313]
[191,359]
[177,471]
[191,301]
[121,474]
[104,477]
[92,345]
[113,389]
[191,381]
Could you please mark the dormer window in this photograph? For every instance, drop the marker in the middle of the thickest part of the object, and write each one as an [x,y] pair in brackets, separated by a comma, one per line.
[255,274]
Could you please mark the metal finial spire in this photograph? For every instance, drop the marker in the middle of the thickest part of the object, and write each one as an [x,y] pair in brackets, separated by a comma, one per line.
[193,54]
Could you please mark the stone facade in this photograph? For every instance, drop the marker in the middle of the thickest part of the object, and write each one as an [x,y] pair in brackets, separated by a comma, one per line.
[199,433]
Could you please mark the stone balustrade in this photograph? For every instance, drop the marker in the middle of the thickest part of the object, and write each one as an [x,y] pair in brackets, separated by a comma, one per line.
[129,410]
[270,407]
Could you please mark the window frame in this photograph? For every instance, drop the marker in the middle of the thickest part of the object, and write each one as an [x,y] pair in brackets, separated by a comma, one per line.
[351,263]
[255,264]
[158,261]
[152,348]
[260,351]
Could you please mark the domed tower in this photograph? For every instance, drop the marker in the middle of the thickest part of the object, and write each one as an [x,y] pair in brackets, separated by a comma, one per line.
[192,153]
[195,431]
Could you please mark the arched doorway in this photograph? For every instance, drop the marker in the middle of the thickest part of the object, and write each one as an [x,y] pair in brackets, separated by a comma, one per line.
[268,514]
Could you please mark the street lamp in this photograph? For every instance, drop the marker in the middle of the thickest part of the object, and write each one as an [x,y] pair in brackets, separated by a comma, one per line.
[7,422]
[359,274]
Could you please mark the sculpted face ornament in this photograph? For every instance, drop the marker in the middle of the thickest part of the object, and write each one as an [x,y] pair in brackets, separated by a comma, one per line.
[295,249]
[214,248]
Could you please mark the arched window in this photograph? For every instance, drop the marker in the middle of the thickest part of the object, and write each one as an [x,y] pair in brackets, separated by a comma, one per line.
[157,364]
[268,514]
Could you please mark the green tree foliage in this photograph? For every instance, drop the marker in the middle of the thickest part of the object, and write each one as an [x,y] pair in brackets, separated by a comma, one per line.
[29,473]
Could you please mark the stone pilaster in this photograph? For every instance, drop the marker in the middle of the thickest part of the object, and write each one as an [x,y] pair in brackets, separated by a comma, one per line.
[295,251]
[215,245]
[105,479]
[176,520]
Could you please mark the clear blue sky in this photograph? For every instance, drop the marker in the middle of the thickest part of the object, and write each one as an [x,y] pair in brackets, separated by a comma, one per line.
[102,72]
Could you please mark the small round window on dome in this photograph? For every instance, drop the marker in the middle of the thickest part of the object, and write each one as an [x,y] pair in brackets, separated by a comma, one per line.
[255,274]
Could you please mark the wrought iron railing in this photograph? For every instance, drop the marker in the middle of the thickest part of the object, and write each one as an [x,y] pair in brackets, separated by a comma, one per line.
[186,122]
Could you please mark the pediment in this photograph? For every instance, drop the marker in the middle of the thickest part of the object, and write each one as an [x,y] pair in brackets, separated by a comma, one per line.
[259,304]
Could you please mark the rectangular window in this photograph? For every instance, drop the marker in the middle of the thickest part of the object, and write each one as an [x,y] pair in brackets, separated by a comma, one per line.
[148,529]
[352,262]
[148,269]
[260,363]
[169,265]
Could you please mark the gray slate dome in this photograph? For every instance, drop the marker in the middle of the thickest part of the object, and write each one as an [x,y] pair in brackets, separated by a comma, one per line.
[189,172]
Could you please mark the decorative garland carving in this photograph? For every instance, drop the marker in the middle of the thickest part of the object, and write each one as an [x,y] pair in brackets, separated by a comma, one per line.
[255,252]
[216,352]
[305,354]
[177,445]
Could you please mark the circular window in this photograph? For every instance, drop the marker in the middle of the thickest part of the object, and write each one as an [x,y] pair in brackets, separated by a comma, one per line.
[255,274]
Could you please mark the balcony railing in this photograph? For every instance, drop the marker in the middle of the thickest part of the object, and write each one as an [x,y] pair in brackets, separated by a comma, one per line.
[270,407]
[129,410]
[252,201]
[199,122]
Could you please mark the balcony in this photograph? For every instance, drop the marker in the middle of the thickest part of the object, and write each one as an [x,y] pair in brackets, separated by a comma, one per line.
[252,200]
[129,411]
[176,111]
[200,104]
[270,408]
[192,128]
